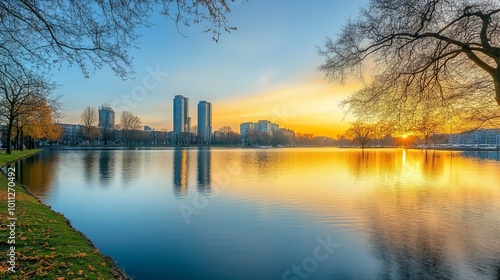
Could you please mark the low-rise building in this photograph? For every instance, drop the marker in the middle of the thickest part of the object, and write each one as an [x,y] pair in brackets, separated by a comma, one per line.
[251,132]
[476,137]
[71,133]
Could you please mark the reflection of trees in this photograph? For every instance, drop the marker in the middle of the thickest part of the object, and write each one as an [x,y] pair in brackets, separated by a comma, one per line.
[39,175]
[433,233]
[106,167]
[181,158]
[89,165]
[404,246]
[433,164]
[204,174]
[130,163]
[366,162]
[389,163]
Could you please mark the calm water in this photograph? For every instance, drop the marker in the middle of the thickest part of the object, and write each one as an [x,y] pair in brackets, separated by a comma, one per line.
[281,213]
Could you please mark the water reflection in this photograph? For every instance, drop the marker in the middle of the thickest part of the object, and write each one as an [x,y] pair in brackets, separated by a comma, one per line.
[130,165]
[432,233]
[398,214]
[493,155]
[434,163]
[39,176]
[181,159]
[106,168]
[204,167]
[427,227]
[90,166]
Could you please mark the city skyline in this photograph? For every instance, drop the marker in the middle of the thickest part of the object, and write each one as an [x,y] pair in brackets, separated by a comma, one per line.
[106,115]
[267,69]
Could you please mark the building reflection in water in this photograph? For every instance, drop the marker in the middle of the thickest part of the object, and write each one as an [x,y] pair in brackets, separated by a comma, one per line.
[181,170]
[204,174]
[493,155]
[181,174]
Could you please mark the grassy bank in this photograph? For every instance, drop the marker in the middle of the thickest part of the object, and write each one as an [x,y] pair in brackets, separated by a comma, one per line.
[46,246]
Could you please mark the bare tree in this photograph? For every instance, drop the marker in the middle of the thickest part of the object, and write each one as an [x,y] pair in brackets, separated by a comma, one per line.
[88,120]
[91,34]
[225,129]
[437,46]
[361,132]
[129,123]
[383,130]
[428,125]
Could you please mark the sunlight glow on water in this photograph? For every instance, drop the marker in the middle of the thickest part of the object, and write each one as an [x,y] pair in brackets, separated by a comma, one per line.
[254,213]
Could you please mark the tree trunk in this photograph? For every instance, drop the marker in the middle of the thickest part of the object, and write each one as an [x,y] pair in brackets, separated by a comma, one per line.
[496,82]
[21,141]
[9,131]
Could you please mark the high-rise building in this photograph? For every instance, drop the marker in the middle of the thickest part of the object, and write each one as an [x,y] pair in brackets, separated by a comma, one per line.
[182,121]
[106,117]
[204,122]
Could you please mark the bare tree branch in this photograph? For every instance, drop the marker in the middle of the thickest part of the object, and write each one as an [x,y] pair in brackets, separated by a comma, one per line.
[421,42]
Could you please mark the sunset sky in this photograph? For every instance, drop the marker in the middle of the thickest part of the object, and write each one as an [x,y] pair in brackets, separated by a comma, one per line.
[267,69]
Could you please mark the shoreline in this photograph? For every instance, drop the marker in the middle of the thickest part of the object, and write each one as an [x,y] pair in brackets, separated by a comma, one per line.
[63,252]
[111,148]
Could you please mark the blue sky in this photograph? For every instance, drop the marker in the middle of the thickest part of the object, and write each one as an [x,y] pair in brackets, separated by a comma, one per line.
[267,69]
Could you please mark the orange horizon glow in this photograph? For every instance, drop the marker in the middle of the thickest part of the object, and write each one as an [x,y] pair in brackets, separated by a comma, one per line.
[309,105]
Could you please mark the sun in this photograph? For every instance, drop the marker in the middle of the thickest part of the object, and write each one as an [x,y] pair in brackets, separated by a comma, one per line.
[404,136]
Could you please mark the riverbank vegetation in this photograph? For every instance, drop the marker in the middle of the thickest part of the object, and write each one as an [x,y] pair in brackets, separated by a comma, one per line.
[46,246]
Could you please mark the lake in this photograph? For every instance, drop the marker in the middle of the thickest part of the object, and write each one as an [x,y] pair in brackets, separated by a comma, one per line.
[289,213]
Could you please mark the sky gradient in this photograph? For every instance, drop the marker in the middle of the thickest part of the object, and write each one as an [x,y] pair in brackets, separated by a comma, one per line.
[267,69]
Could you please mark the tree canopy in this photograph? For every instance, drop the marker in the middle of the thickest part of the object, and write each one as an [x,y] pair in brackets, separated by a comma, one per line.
[90,34]
[446,52]
[20,92]
[89,121]
[129,123]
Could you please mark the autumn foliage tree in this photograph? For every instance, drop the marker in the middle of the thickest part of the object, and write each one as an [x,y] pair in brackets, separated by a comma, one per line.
[41,124]
[20,91]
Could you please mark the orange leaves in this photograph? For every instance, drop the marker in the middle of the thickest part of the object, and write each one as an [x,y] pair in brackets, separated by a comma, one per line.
[40,122]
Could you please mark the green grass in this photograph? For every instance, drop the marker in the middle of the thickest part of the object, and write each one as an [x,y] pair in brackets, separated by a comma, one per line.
[47,247]
[5,158]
